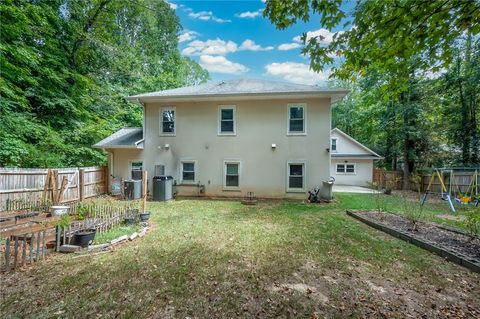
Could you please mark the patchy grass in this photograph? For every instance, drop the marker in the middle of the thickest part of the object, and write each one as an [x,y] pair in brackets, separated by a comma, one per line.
[220,259]
[101,238]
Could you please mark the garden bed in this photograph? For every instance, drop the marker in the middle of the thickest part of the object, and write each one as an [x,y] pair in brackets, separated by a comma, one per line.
[451,244]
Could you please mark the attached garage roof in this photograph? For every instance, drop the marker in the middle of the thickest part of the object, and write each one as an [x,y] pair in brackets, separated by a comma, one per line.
[124,138]
[240,88]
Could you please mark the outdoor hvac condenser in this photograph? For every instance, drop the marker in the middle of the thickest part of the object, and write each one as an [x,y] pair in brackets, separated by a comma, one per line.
[162,188]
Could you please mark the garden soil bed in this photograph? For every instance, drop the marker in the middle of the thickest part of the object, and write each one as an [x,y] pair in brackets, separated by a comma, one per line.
[454,245]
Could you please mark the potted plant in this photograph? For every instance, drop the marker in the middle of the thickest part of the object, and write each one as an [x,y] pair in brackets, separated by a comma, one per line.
[85,237]
[144,216]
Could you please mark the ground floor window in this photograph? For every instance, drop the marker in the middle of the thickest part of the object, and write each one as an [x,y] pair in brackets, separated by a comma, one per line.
[136,169]
[345,168]
[232,174]
[296,174]
[188,171]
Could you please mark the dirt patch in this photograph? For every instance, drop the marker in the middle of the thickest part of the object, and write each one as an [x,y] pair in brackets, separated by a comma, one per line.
[458,218]
[302,289]
[450,240]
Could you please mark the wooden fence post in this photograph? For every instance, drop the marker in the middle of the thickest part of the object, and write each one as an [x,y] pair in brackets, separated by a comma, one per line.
[144,191]
[107,179]
[81,184]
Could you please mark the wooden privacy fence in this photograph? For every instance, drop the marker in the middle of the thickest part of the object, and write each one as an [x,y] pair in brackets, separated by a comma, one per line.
[19,186]
[459,182]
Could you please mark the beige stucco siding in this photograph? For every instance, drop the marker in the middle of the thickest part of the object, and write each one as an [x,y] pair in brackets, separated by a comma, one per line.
[361,177]
[259,124]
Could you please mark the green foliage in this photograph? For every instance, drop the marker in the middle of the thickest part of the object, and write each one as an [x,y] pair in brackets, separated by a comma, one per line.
[64,221]
[382,35]
[66,67]
[472,221]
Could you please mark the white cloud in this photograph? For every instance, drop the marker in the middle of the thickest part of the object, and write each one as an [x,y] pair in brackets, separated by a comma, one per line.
[210,47]
[172,5]
[187,36]
[220,64]
[206,16]
[324,36]
[250,45]
[296,72]
[288,46]
[249,14]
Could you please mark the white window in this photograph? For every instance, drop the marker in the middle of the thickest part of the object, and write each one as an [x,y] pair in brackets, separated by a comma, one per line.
[345,168]
[227,120]
[188,172]
[296,176]
[231,175]
[297,119]
[167,121]
[136,169]
[334,145]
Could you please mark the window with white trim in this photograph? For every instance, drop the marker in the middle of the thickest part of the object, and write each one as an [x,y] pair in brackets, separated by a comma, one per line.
[296,119]
[232,174]
[188,171]
[167,121]
[334,145]
[136,169]
[296,176]
[345,168]
[226,120]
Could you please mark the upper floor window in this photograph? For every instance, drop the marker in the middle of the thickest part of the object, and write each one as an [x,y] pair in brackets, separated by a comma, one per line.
[167,121]
[296,119]
[226,118]
[334,144]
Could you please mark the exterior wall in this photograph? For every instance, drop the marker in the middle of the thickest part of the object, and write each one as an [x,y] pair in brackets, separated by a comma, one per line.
[259,124]
[362,176]
[119,163]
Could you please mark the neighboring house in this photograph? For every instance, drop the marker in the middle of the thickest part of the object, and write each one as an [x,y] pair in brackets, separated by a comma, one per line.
[229,138]
[352,162]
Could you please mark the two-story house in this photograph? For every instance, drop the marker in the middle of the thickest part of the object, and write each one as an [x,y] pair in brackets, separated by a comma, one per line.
[231,137]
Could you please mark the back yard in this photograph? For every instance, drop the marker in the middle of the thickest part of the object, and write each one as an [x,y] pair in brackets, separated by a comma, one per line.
[208,259]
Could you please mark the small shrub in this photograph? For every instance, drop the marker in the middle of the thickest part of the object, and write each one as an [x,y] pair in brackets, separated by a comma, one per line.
[64,221]
[472,221]
[82,212]
[380,200]
[413,211]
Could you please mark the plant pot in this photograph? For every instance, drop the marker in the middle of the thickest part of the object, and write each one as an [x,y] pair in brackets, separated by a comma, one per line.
[144,216]
[59,210]
[85,237]
[129,220]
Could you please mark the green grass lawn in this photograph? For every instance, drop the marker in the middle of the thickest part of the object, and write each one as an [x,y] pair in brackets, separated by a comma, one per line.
[220,259]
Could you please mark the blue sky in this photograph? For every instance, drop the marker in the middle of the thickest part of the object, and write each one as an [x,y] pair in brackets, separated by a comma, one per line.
[232,39]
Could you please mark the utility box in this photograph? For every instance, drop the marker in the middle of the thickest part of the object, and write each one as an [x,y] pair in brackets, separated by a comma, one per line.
[132,189]
[162,188]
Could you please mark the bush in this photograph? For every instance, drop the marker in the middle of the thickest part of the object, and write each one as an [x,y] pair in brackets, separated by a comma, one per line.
[472,221]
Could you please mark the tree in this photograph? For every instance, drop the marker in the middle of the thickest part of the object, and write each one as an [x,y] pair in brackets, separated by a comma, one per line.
[384,35]
[66,67]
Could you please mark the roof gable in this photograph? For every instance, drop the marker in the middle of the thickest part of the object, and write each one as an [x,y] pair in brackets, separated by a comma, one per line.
[131,137]
[347,145]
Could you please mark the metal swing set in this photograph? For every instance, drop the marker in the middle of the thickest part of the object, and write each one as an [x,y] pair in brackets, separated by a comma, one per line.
[453,195]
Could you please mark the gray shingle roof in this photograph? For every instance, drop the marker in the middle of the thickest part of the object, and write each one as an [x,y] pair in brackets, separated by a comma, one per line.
[131,137]
[239,87]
